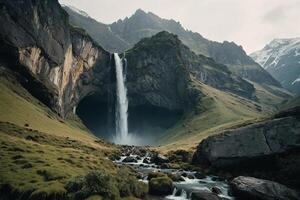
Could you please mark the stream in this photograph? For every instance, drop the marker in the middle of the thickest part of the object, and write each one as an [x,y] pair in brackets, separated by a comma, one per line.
[183,189]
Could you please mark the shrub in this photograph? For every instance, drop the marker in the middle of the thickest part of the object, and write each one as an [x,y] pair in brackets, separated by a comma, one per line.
[94,183]
[129,185]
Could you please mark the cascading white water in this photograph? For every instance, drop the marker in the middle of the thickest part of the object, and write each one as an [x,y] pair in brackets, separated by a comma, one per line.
[122,104]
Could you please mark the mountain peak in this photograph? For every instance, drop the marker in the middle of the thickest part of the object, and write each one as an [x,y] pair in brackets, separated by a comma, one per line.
[140,12]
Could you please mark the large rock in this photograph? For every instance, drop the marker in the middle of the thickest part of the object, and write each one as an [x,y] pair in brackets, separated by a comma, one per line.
[269,149]
[249,188]
[152,175]
[161,186]
[250,143]
[159,159]
[129,159]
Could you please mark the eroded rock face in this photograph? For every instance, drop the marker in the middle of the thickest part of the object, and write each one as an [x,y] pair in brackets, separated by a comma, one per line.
[164,63]
[45,48]
[259,189]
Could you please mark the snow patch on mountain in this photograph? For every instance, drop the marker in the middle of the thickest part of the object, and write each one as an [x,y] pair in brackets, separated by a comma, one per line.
[295,81]
[281,58]
[272,53]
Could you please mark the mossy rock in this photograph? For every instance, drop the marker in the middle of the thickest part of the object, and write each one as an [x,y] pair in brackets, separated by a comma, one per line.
[175,177]
[129,185]
[161,186]
[155,175]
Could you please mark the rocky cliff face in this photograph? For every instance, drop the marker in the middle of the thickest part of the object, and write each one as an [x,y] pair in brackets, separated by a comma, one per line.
[163,63]
[100,32]
[37,41]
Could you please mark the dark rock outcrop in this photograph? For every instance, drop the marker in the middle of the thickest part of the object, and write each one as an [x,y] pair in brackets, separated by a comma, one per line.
[164,63]
[249,188]
[262,147]
[53,57]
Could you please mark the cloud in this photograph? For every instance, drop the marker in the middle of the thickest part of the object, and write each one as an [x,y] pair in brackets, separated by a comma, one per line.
[283,13]
[275,15]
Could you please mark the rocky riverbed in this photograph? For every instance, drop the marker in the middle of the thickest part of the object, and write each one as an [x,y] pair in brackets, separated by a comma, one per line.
[168,183]
[172,177]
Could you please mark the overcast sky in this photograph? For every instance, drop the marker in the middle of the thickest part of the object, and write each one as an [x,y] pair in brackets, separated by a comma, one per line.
[250,23]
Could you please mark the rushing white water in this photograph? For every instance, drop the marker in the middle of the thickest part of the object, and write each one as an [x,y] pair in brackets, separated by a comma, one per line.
[122,104]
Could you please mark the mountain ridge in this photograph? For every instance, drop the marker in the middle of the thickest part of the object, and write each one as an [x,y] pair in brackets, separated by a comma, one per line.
[141,24]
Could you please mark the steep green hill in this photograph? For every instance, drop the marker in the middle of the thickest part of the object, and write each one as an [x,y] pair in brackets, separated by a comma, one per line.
[215,112]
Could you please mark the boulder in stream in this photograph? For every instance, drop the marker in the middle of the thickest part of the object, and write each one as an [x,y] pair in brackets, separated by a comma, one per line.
[249,188]
[161,186]
[216,190]
[159,159]
[146,161]
[176,177]
[129,159]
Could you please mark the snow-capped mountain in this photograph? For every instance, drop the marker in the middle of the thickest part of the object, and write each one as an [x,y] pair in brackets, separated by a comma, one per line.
[281,58]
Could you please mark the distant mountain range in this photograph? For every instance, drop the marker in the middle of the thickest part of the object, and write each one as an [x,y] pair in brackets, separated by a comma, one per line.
[281,58]
[124,34]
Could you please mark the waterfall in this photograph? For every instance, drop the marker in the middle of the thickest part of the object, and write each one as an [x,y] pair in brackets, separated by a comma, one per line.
[121,104]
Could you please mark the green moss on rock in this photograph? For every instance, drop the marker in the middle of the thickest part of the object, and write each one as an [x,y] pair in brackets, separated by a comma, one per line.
[161,186]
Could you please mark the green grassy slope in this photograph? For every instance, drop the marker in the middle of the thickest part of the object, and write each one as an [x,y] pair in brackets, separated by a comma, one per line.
[271,96]
[294,102]
[40,152]
[19,107]
[215,112]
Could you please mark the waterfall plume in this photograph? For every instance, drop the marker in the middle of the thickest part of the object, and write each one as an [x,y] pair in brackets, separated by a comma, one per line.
[121,136]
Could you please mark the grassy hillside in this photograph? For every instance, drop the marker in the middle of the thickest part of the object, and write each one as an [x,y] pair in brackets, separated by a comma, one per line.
[294,102]
[215,112]
[40,153]
[271,96]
